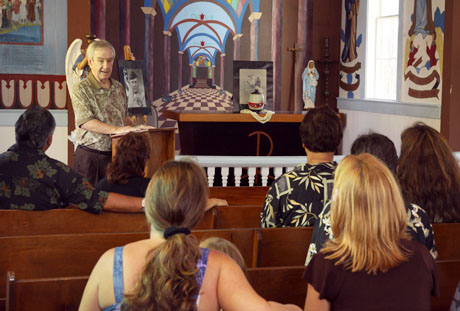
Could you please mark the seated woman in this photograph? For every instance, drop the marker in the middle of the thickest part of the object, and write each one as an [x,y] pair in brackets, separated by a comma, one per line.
[418,223]
[372,264]
[169,271]
[125,174]
[429,173]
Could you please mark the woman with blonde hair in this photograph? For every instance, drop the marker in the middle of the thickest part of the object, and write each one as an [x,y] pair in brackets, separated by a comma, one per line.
[169,271]
[429,174]
[372,264]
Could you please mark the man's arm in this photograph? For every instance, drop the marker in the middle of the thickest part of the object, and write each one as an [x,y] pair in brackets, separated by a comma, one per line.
[123,203]
[97,126]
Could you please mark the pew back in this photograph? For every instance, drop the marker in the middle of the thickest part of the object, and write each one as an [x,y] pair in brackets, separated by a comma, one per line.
[47,294]
[237,216]
[283,246]
[446,239]
[240,195]
[74,221]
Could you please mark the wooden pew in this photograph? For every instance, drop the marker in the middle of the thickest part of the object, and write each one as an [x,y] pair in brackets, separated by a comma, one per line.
[240,195]
[245,239]
[446,238]
[72,221]
[280,284]
[237,216]
[49,256]
[283,246]
[45,294]
[449,276]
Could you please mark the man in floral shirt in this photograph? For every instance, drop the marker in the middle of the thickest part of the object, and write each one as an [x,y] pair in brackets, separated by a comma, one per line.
[296,198]
[418,223]
[31,180]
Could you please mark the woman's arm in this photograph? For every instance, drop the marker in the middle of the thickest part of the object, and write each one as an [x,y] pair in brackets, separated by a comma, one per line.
[234,293]
[90,298]
[314,303]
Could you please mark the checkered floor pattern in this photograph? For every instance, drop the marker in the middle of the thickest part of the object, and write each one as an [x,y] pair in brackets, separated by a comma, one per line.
[192,99]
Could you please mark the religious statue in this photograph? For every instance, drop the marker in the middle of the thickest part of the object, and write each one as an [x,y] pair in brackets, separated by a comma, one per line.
[76,63]
[349,52]
[310,78]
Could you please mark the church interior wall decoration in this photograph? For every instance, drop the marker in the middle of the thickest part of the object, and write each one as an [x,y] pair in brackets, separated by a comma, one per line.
[33,41]
[350,49]
[423,39]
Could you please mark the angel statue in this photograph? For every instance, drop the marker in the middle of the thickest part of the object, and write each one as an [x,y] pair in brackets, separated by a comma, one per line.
[76,63]
[310,78]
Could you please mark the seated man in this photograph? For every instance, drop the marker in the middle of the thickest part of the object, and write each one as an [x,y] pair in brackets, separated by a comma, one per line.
[418,223]
[296,198]
[31,180]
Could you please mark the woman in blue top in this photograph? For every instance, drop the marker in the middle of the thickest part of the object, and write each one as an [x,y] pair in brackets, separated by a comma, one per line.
[169,271]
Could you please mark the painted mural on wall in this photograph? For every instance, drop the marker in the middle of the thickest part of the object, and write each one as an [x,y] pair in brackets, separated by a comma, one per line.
[33,74]
[423,34]
[350,47]
[21,22]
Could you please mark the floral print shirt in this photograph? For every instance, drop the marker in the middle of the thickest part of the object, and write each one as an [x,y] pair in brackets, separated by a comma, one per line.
[296,198]
[91,101]
[30,180]
[418,225]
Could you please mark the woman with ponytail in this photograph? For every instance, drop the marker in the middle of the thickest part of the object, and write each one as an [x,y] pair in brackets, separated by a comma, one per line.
[170,271]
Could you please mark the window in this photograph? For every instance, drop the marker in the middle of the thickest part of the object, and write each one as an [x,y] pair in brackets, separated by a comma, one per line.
[382,49]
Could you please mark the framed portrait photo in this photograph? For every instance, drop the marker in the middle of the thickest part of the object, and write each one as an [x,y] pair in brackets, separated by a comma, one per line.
[249,76]
[133,76]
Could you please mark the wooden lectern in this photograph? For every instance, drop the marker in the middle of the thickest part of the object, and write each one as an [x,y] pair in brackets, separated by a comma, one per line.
[162,147]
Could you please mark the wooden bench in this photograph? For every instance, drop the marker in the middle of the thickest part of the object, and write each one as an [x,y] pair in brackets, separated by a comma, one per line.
[449,276]
[283,246]
[280,284]
[446,238]
[73,221]
[45,294]
[240,195]
[237,216]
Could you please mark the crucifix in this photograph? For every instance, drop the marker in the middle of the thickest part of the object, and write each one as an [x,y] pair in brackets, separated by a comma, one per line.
[295,50]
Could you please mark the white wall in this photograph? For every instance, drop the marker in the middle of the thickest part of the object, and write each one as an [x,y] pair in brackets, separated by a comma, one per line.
[58,149]
[361,122]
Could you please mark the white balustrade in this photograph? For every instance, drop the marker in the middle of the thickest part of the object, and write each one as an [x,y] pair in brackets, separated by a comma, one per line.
[255,165]
[280,165]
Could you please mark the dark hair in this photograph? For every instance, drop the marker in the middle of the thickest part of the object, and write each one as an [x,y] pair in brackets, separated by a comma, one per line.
[133,75]
[321,130]
[34,127]
[132,152]
[429,174]
[176,196]
[378,145]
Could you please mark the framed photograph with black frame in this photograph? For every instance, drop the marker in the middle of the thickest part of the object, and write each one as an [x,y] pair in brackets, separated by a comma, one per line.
[249,76]
[133,76]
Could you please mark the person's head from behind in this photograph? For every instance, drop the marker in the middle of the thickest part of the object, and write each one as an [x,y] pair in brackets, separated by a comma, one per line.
[132,152]
[321,130]
[368,217]
[35,128]
[429,173]
[379,146]
[175,202]
[224,246]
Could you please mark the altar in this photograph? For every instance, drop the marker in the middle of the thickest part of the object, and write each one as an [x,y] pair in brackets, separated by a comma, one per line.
[228,133]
